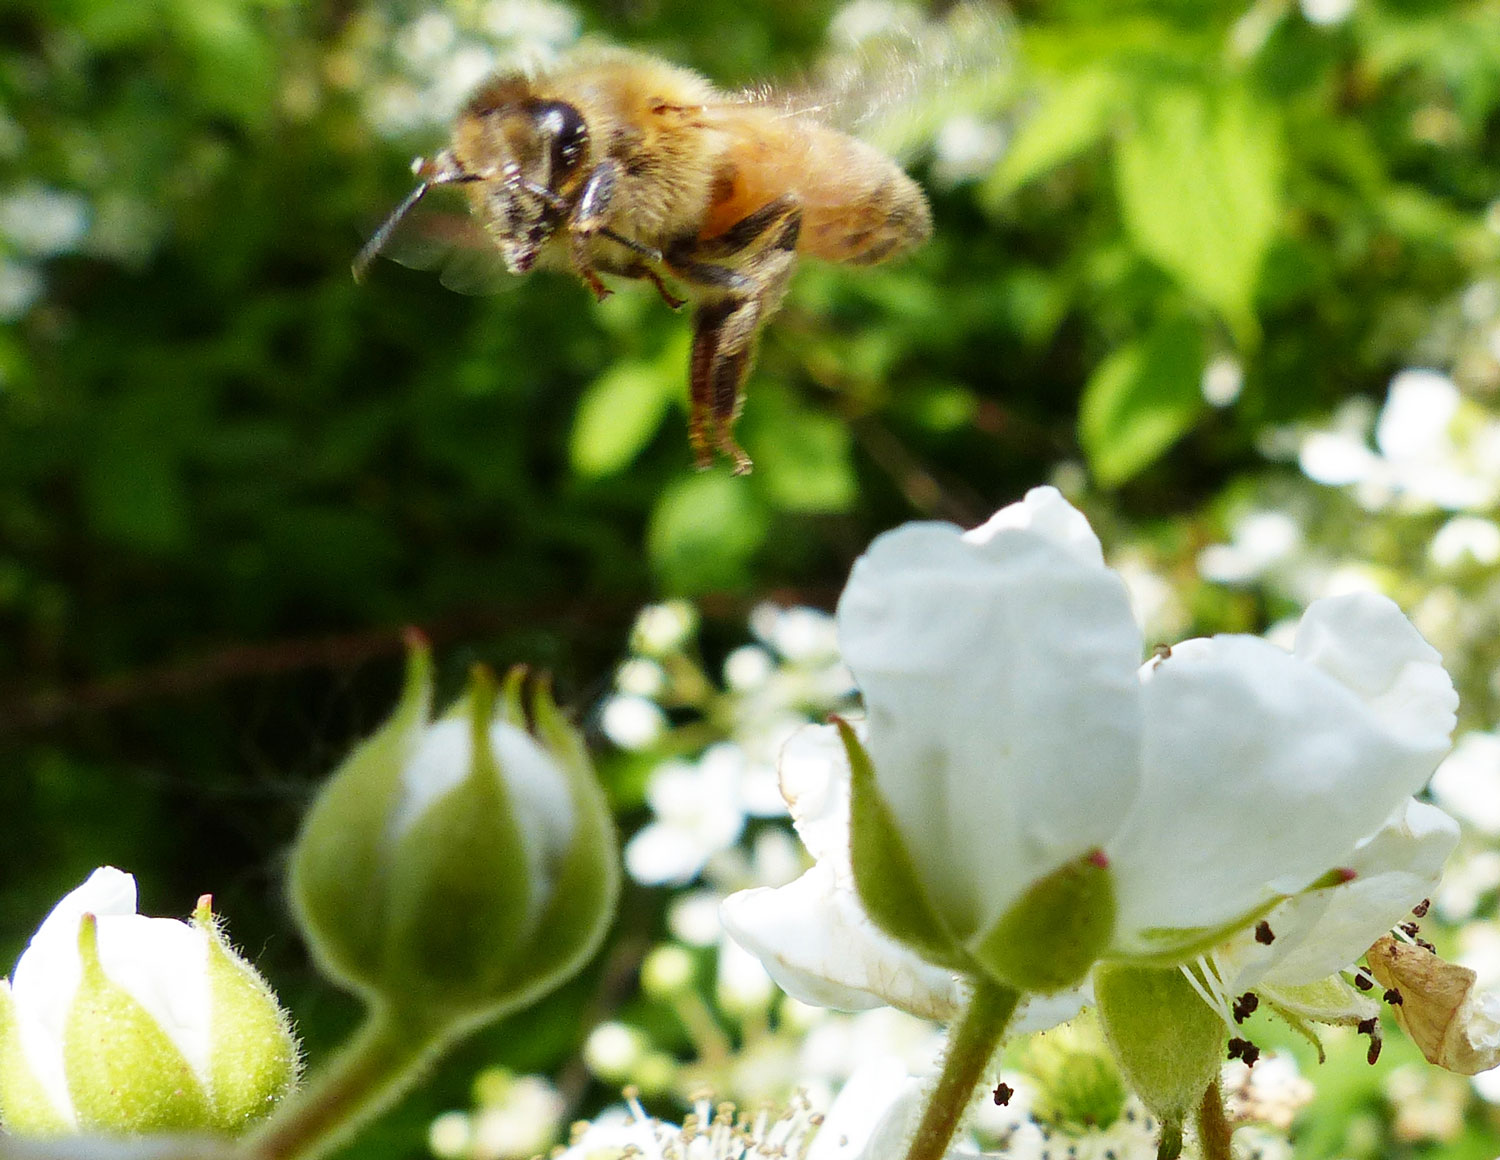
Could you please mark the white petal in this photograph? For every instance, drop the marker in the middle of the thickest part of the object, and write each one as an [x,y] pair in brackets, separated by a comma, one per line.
[1263,768]
[1395,869]
[1044,1012]
[1045,512]
[821,948]
[1324,931]
[874,1116]
[163,964]
[814,773]
[1365,642]
[47,975]
[997,673]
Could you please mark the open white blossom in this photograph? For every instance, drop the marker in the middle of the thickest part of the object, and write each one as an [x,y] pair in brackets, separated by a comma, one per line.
[1012,729]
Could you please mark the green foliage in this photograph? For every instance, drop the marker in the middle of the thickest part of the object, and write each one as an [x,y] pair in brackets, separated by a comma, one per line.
[228,474]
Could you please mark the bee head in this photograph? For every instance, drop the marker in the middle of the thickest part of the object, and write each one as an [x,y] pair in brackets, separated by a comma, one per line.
[520,152]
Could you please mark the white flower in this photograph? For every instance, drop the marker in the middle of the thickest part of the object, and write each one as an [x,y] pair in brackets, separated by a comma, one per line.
[195,1036]
[1012,729]
[1293,959]
[698,812]
[813,935]
[873,1118]
[1468,782]
[1436,449]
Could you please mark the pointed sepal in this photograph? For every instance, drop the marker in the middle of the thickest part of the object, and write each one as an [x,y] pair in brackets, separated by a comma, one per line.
[123,1070]
[884,874]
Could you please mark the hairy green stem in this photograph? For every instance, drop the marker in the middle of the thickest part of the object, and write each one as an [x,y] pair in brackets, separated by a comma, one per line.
[385,1057]
[971,1045]
[1214,1130]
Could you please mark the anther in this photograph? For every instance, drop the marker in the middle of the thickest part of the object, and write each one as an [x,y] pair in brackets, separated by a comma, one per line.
[1264,934]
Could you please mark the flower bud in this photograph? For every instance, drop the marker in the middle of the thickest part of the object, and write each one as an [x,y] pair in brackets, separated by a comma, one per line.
[453,869]
[119,1023]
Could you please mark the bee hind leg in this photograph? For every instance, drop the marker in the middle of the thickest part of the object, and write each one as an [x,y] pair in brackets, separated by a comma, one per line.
[727,324]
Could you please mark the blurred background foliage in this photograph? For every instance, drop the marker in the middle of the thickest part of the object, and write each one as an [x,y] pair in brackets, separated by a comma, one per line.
[1170,237]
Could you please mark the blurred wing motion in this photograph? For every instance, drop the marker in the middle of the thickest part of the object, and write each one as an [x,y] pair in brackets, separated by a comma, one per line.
[896,83]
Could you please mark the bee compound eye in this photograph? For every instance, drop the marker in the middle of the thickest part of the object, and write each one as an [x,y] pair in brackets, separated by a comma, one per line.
[564,127]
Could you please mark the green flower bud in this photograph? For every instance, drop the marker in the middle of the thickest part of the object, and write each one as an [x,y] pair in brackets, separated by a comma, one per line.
[1078,1086]
[118,1023]
[457,868]
[1168,1042]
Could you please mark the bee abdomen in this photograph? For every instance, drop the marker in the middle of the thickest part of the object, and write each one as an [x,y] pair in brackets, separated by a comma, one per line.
[888,219]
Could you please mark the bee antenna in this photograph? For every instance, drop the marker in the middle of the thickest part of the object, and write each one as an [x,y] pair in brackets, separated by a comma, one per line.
[444,169]
[379,238]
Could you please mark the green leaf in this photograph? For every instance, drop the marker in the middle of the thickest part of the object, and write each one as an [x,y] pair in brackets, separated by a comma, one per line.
[704,531]
[1072,116]
[1141,400]
[1199,183]
[617,416]
[802,457]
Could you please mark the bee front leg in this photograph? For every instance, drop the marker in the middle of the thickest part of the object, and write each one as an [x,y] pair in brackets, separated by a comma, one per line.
[727,324]
[586,220]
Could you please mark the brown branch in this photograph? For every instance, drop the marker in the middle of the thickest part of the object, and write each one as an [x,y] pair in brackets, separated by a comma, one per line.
[28,711]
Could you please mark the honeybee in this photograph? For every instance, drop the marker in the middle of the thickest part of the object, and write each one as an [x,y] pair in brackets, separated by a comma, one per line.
[617,164]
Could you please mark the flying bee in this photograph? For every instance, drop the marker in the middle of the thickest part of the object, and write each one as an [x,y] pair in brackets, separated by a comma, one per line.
[616,164]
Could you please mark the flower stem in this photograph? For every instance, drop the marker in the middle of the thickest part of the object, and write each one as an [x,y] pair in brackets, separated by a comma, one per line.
[1214,1131]
[365,1078]
[972,1043]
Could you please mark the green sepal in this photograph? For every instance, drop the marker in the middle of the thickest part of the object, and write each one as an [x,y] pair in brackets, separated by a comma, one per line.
[1331,1001]
[884,874]
[1056,930]
[25,1109]
[586,890]
[1171,946]
[254,1058]
[341,861]
[461,900]
[1168,1042]
[124,1072]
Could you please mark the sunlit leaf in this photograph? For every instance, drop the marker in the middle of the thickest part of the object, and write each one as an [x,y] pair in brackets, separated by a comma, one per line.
[617,416]
[704,531]
[1141,400]
[1199,183]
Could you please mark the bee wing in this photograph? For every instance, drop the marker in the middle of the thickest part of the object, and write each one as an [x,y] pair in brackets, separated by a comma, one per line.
[894,81]
[445,238]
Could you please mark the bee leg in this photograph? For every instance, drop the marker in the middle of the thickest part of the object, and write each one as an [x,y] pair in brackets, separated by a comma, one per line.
[727,324]
[586,219]
[642,270]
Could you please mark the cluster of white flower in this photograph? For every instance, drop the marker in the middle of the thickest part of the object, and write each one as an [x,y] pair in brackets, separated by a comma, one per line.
[37,222]
[730,734]
[439,55]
